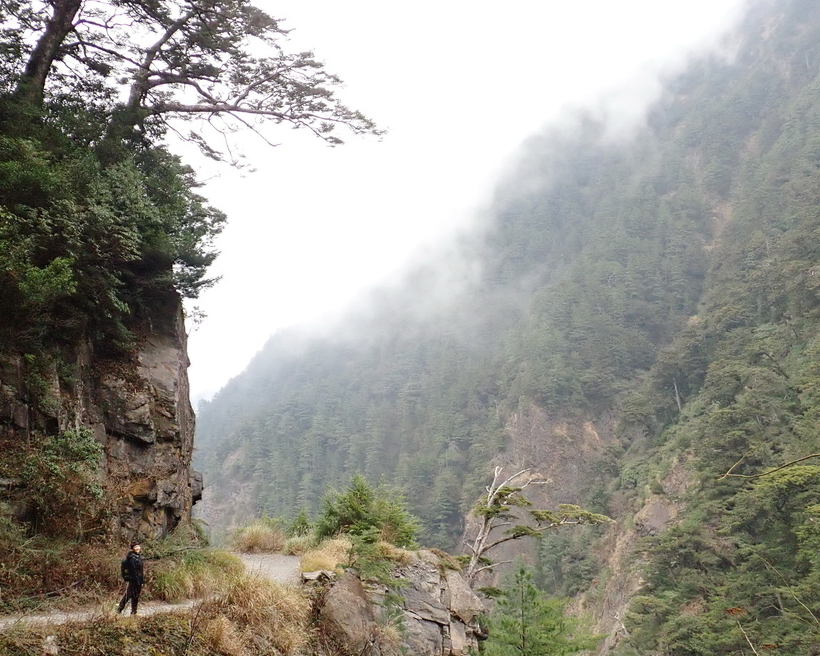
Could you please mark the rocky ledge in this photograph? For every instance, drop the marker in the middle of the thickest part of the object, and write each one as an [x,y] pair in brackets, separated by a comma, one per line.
[432,613]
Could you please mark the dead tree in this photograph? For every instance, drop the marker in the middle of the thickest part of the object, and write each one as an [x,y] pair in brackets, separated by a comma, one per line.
[498,511]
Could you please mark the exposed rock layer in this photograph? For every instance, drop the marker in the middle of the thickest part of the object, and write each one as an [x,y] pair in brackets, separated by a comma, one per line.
[138,407]
[438,612]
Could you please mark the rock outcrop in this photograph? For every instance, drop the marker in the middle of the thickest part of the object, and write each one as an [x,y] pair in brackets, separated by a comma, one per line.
[433,613]
[137,406]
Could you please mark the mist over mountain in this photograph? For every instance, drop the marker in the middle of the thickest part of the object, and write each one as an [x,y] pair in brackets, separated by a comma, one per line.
[639,318]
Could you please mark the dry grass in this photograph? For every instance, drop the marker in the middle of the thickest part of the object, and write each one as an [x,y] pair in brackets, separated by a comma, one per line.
[249,617]
[159,634]
[223,636]
[256,612]
[395,554]
[299,545]
[329,555]
[387,638]
[194,574]
[261,536]
[446,560]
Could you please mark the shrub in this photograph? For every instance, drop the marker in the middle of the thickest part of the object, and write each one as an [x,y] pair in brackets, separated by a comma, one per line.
[264,535]
[58,471]
[301,525]
[362,510]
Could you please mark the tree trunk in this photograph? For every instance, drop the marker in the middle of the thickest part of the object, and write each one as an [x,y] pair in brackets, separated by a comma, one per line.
[31,87]
[677,395]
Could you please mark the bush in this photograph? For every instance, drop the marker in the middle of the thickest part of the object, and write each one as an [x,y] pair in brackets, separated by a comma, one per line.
[42,573]
[194,574]
[265,535]
[362,511]
[56,472]
[300,526]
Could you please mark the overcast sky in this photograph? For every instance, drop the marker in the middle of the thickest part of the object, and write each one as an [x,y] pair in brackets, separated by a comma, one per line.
[458,85]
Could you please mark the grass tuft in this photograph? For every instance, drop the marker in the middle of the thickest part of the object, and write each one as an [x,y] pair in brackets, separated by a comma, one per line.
[273,613]
[395,554]
[261,536]
[194,574]
[299,545]
[330,555]
[223,636]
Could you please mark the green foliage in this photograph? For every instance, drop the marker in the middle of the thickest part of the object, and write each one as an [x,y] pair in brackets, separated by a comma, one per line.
[89,248]
[57,472]
[365,512]
[568,513]
[301,525]
[525,622]
[135,82]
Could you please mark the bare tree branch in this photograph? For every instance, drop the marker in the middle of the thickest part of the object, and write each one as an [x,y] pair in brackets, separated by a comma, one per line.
[729,473]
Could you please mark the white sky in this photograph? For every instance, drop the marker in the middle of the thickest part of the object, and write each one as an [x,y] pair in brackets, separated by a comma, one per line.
[459,85]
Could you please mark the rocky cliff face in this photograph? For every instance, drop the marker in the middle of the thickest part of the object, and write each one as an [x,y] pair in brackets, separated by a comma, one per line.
[435,612]
[138,407]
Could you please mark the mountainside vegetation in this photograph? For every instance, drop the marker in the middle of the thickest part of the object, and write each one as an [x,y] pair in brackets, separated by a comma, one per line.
[660,286]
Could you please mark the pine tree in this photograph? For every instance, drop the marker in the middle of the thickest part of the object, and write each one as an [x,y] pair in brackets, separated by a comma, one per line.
[526,623]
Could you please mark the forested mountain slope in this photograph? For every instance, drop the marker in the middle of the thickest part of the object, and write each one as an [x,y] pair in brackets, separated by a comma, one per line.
[645,320]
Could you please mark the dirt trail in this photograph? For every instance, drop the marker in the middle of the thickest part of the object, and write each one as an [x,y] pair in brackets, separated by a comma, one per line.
[277,567]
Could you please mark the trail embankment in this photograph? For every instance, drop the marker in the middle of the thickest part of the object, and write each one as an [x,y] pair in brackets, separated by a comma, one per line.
[277,567]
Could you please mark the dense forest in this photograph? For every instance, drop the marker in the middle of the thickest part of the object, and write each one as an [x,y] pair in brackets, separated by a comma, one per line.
[661,287]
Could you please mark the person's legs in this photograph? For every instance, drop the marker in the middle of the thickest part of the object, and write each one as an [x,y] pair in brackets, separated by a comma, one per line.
[134,589]
[132,593]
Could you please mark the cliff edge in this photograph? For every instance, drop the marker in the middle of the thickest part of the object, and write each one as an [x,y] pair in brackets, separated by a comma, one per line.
[136,405]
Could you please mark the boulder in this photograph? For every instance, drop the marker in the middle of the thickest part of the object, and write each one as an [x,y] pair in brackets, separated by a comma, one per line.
[438,611]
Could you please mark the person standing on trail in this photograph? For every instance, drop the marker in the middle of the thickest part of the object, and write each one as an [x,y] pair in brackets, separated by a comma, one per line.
[132,571]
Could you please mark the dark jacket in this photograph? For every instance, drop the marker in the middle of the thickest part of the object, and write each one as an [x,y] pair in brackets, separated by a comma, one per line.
[132,568]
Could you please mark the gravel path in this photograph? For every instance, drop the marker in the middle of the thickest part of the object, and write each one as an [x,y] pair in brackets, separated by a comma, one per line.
[278,567]
[91,614]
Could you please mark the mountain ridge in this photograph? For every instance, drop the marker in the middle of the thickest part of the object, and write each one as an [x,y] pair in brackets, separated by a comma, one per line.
[645,320]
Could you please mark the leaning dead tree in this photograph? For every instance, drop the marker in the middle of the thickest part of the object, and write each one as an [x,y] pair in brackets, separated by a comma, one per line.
[499,511]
